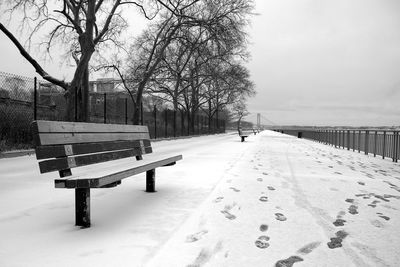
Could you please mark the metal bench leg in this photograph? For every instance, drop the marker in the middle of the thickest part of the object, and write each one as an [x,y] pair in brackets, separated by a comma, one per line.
[82,207]
[242,138]
[151,181]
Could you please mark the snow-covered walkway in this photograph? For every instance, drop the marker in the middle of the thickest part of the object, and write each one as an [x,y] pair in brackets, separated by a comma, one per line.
[273,200]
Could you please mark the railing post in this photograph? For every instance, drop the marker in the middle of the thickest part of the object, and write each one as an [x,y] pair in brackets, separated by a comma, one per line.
[348,139]
[354,140]
[366,147]
[384,145]
[396,146]
[335,138]
[359,141]
[342,138]
[375,142]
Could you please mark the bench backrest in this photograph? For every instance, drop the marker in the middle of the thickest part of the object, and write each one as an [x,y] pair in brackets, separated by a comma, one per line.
[66,145]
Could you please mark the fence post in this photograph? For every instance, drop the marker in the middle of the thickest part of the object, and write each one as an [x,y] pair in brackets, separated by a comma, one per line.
[76,104]
[366,142]
[182,123]
[359,141]
[174,122]
[384,145]
[334,138]
[34,98]
[198,124]
[166,122]
[126,110]
[105,108]
[396,146]
[343,138]
[375,142]
[348,139]
[141,112]
[155,122]
[354,140]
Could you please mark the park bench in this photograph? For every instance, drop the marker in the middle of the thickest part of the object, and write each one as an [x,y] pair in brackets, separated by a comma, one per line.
[61,146]
[243,135]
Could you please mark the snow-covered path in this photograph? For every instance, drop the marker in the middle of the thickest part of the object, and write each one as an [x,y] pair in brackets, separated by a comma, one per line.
[257,203]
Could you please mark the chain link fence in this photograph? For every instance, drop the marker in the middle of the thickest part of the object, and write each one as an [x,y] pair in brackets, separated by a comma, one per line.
[23,100]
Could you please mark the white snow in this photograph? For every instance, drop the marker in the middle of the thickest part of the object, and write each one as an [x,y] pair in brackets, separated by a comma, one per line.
[210,209]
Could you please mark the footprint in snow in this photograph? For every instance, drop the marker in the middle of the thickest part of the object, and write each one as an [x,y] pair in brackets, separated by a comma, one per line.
[263,199]
[383,216]
[260,179]
[353,209]
[234,189]
[361,183]
[262,241]
[288,262]
[264,173]
[336,242]
[226,211]
[263,227]
[280,217]
[308,248]
[339,222]
[218,199]
[195,237]
[271,188]
[228,215]
[373,203]
[377,223]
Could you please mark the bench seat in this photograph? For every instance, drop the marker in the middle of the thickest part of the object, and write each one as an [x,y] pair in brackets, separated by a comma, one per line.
[102,174]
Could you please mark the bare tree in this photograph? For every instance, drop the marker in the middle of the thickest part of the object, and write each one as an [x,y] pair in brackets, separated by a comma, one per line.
[240,111]
[221,21]
[82,26]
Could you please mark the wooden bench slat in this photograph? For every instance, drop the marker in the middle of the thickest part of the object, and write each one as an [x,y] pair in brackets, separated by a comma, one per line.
[78,161]
[71,138]
[55,151]
[83,127]
[57,133]
[111,174]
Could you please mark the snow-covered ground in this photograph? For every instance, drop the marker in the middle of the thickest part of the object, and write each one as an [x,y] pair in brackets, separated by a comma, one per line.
[273,200]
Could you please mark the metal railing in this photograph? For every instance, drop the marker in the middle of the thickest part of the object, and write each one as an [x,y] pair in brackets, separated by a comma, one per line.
[384,143]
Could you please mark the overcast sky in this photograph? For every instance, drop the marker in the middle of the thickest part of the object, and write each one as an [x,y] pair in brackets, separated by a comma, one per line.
[314,62]
[327,62]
